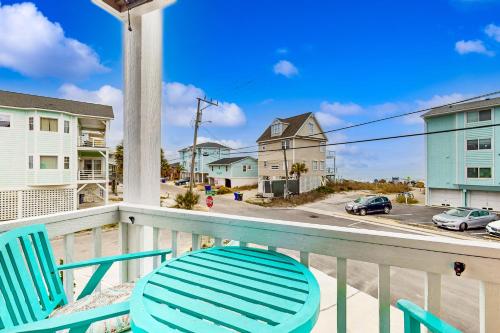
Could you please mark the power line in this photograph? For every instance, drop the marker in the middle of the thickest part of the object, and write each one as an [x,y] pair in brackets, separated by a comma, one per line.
[393,117]
[378,139]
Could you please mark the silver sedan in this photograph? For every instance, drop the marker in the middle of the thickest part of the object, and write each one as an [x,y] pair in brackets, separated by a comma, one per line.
[464,218]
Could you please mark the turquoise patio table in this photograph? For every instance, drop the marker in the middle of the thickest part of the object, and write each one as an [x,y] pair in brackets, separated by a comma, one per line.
[226,289]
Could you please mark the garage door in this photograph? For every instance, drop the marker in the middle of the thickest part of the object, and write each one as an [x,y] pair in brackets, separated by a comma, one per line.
[484,200]
[449,198]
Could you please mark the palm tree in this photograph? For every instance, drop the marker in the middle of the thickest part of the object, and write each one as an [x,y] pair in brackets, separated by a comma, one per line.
[298,169]
[165,166]
[119,162]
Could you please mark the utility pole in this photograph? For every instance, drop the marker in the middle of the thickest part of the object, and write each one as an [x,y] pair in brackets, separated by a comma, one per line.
[197,122]
[286,174]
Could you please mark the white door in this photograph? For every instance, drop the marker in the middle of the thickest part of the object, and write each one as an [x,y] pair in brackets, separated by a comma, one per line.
[484,200]
[447,198]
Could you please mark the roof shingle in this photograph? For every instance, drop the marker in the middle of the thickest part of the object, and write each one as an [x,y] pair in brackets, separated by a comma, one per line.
[206,145]
[229,160]
[26,101]
[294,124]
[482,104]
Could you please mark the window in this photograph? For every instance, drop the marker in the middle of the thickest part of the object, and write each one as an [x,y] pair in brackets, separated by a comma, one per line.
[285,144]
[472,144]
[484,213]
[66,126]
[474,214]
[315,165]
[31,123]
[475,116]
[276,129]
[263,147]
[66,162]
[212,168]
[475,144]
[244,168]
[249,167]
[484,143]
[275,166]
[311,128]
[226,168]
[265,164]
[478,172]
[322,165]
[484,172]
[322,147]
[48,162]
[48,124]
[4,120]
[30,162]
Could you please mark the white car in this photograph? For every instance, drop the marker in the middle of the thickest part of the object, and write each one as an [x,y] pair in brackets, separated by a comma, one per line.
[464,218]
[493,228]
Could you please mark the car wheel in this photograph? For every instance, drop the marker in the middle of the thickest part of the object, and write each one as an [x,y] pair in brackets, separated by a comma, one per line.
[463,226]
[387,210]
[362,212]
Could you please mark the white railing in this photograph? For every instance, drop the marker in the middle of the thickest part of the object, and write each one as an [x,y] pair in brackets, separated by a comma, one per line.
[91,175]
[435,256]
[91,142]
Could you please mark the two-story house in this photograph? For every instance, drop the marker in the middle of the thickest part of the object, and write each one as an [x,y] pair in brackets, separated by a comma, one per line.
[463,166]
[53,154]
[233,171]
[206,153]
[293,134]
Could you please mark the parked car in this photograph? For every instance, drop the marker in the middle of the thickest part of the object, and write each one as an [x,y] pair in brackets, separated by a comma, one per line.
[370,204]
[464,218]
[182,181]
[493,228]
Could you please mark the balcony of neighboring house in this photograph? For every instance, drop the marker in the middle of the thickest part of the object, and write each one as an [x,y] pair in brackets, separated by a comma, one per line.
[92,169]
[92,134]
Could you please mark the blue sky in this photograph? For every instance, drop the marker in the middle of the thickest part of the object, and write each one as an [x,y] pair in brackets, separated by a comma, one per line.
[348,61]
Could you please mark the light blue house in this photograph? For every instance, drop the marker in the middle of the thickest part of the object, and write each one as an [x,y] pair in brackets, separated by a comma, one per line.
[206,153]
[463,166]
[234,171]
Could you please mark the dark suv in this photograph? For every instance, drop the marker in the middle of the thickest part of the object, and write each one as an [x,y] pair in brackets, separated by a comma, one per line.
[371,204]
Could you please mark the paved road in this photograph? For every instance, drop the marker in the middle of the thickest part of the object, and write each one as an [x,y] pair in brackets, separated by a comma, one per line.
[363,276]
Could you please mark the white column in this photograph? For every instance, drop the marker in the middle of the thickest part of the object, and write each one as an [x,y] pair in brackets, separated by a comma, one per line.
[142,132]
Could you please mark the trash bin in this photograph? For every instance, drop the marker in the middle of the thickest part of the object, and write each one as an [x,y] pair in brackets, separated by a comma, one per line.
[240,196]
[236,196]
[208,189]
[163,180]
[81,198]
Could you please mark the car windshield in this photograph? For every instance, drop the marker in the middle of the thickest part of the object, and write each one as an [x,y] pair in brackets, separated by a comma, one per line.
[458,212]
[360,200]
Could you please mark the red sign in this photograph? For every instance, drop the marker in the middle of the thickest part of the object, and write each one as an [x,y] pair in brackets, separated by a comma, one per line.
[210,201]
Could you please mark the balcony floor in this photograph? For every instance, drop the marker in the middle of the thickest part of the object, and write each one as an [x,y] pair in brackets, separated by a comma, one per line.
[362,309]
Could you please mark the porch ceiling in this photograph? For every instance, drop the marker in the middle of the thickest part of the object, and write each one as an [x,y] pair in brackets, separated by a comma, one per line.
[92,124]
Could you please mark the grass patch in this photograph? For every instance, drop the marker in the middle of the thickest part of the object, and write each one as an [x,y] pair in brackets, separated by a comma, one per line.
[384,188]
[297,200]
[244,188]
[224,190]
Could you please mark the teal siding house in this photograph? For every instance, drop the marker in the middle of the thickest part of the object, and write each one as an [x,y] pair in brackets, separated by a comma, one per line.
[463,166]
[234,171]
[206,153]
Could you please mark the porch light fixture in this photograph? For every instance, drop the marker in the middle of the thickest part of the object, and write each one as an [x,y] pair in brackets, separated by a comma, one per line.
[122,8]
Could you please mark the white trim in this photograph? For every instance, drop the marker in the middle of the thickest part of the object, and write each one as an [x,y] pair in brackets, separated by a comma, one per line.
[57,111]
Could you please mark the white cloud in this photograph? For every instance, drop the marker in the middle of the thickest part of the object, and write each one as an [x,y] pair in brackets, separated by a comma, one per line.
[179,106]
[472,46]
[493,31]
[342,109]
[36,47]
[285,68]
[107,95]
[329,113]
[234,144]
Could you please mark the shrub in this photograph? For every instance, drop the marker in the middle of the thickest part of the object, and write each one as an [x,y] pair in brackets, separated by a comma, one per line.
[324,190]
[420,185]
[224,190]
[187,200]
[400,198]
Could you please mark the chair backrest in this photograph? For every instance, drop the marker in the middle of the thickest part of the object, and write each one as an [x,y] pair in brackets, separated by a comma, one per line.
[30,286]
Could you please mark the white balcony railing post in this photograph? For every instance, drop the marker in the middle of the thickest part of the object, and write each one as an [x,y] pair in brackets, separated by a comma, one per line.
[489,307]
[97,240]
[341,295]
[384,298]
[68,277]
[175,238]
[433,293]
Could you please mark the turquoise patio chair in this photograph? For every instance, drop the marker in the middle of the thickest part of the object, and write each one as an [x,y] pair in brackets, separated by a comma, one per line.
[414,316]
[31,287]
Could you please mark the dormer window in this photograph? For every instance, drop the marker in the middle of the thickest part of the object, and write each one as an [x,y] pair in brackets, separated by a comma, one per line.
[276,129]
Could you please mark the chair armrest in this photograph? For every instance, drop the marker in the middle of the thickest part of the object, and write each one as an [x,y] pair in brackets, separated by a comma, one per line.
[112,259]
[415,315]
[76,322]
